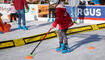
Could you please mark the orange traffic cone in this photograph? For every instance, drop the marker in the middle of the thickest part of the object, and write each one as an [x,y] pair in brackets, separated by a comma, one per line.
[91,48]
[29,57]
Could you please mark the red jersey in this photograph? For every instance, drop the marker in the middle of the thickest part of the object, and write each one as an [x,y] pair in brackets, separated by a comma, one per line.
[19,4]
[63,19]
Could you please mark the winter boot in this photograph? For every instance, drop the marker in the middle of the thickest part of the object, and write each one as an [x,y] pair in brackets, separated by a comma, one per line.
[60,48]
[66,49]
[52,19]
[19,26]
[24,27]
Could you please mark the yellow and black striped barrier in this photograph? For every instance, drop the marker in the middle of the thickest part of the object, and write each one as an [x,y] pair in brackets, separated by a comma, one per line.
[27,40]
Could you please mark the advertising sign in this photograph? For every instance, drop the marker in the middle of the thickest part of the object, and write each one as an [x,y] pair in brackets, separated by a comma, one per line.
[31,15]
[43,10]
[90,12]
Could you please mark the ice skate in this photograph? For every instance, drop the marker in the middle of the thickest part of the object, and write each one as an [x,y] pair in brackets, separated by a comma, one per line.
[66,49]
[60,48]
[24,27]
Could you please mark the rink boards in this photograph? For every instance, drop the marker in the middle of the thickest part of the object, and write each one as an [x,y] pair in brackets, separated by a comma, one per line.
[52,34]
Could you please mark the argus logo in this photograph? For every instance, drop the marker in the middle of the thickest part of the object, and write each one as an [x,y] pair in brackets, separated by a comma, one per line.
[89,12]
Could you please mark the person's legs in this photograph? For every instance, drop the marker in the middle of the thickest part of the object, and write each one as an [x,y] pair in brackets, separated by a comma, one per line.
[75,13]
[19,19]
[49,15]
[61,45]
[65,41]
[72,13]
[23,18]
[11,16]
[53,14]
[60,36]
[14,15]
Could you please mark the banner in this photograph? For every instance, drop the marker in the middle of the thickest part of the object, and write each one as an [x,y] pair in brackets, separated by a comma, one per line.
[31,15]
[4,9]
[37,11]
[43,10]
[33,12]
[90,12]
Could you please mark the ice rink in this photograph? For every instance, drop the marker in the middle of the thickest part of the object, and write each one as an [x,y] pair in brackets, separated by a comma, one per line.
[79,44]
[86,39]
[35,27]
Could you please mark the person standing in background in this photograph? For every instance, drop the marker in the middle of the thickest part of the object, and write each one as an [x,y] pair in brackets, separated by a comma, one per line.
[19,6]
[82,6]
[74,9]
[51,13]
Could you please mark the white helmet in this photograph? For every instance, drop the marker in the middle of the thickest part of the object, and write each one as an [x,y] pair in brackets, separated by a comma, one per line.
[54,2]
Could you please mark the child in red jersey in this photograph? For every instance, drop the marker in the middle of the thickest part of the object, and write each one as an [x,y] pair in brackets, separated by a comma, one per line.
[64,21]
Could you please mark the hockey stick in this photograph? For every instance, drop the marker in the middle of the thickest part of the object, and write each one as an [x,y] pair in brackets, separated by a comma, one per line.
[31,54]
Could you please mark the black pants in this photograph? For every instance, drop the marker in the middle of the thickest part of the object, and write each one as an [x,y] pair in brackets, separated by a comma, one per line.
[62,36]
[53,12]
[13,15]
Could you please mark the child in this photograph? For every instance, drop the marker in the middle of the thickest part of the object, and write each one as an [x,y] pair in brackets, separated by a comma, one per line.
[13,12]
[64,21]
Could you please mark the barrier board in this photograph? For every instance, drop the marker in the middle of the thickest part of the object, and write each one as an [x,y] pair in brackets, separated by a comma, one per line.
[31,39]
